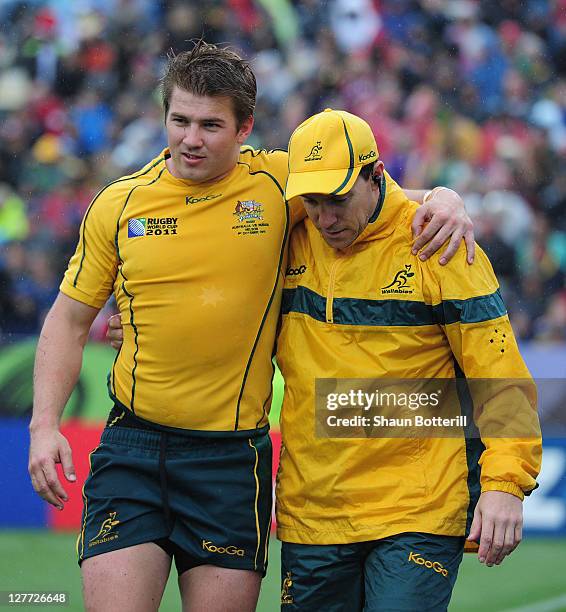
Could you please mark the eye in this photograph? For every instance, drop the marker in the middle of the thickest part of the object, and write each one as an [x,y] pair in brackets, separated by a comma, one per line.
[210,125]
[309,201]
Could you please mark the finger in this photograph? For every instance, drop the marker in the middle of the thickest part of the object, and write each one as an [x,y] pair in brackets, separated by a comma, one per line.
[470,246]
[42,489]
[439,239]
[116,344]
[34,483]
[485,540]
[452,247]
[497,543]
[508,543]
[419,221]
[67,464]
[53,481]
[518,535]
[115,321]
[475,529]
[427,234]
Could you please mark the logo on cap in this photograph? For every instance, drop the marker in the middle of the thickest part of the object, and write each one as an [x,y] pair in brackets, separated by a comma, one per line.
[363,157]
[315,153]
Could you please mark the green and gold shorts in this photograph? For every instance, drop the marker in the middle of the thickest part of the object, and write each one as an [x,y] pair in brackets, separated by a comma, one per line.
[203,499]
[403,573]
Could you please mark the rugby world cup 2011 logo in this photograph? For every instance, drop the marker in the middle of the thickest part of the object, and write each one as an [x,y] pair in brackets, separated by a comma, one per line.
[136,227]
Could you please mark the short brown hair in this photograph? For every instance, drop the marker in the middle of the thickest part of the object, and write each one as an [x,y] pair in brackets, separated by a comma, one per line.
[208,70]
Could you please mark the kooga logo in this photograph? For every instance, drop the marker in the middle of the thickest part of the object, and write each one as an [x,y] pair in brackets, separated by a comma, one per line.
[434,565]
[363,157]
[296,271]
[222,550]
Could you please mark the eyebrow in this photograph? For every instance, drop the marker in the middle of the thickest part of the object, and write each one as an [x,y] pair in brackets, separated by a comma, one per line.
[338,198]
[204,120]
[331,199]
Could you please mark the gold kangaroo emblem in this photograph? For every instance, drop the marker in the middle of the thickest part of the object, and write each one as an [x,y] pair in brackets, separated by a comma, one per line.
[107,525]
[401,278]
[286,597]
[315,152]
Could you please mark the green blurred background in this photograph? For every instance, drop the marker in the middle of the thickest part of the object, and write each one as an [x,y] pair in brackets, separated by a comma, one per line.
[42,561]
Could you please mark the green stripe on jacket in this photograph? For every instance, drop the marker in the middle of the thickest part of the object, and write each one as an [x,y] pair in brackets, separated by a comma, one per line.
[353,311]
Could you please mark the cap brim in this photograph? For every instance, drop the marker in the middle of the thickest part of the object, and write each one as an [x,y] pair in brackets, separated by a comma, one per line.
[327,182]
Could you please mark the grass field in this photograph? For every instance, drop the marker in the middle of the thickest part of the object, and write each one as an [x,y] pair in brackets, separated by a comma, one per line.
[41,561]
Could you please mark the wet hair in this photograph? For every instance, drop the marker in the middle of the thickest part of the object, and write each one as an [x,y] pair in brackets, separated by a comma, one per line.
[208,70]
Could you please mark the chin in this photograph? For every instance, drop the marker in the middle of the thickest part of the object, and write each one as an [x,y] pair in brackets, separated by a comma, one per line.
[335,244]
[341,243]
[194,175]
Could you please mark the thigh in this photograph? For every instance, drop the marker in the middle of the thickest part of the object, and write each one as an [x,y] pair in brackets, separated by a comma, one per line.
[323,577]
[130,579]
[412,571]
[122,500]
[207,588]
[220,492]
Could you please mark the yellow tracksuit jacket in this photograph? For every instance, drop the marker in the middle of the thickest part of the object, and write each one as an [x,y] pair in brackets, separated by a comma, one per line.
[376,311]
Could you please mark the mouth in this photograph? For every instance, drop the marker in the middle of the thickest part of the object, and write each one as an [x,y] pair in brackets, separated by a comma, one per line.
[192,159]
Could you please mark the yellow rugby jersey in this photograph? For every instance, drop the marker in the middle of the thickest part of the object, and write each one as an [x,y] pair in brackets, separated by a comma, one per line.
[376,311]
[197,272]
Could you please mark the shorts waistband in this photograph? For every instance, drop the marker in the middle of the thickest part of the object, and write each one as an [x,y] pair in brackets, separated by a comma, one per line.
[138,438]
[123,426]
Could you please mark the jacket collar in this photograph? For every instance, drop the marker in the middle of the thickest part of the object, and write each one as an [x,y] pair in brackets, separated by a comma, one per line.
[388,211]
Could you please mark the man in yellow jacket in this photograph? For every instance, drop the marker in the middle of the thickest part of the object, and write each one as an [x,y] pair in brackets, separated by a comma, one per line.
[372,520]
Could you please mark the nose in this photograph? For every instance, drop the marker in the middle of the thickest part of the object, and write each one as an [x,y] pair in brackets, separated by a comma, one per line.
[326,218]
[193,136]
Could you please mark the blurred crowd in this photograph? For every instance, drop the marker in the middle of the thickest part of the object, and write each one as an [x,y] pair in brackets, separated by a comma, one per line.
[465,93]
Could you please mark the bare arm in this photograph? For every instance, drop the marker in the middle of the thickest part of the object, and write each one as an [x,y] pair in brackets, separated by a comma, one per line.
[58,363]
[415,195]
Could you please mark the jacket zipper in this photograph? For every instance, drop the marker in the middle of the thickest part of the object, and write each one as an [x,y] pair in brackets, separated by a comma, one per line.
[330,294]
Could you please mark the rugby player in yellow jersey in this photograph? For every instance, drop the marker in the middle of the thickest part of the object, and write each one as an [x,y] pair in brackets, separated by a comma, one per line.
[379,523]
[193,247]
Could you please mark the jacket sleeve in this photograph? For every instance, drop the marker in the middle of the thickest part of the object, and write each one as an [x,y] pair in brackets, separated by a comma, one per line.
[475,321]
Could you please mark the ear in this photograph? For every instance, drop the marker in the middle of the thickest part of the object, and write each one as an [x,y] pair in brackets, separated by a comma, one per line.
[376,175]
[245,130]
